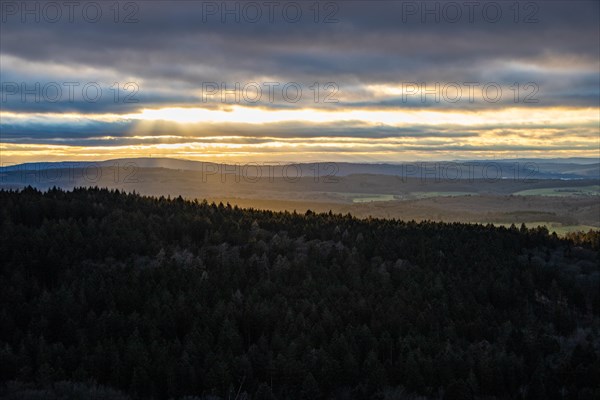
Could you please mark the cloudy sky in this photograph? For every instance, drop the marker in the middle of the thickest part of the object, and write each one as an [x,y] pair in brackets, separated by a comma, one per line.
[299,80]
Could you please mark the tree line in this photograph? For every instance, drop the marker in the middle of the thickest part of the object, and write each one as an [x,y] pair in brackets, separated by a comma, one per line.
[112,295]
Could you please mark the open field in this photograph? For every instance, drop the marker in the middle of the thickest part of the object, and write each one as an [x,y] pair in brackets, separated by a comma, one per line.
[362,198]
[557,213]
[593,190]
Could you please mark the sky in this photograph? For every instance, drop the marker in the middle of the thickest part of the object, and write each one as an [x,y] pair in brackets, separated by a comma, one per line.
[356,81]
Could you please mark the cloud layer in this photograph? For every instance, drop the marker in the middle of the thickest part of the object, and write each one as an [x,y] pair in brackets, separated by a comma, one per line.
[376,80]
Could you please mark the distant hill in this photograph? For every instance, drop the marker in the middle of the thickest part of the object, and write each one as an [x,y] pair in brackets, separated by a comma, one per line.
[563,196]
[570,168]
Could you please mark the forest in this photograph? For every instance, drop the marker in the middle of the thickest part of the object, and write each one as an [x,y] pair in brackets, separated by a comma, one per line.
[113,295]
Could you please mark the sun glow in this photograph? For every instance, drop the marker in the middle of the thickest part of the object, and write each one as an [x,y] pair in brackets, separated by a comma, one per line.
[253,133]
[248,115]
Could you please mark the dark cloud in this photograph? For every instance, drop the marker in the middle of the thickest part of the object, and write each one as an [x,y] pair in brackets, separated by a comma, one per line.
[370,43]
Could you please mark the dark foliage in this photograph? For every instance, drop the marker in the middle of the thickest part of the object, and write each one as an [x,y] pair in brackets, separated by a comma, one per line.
[111,295]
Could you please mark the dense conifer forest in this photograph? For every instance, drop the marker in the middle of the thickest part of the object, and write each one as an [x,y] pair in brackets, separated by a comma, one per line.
[108,295]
